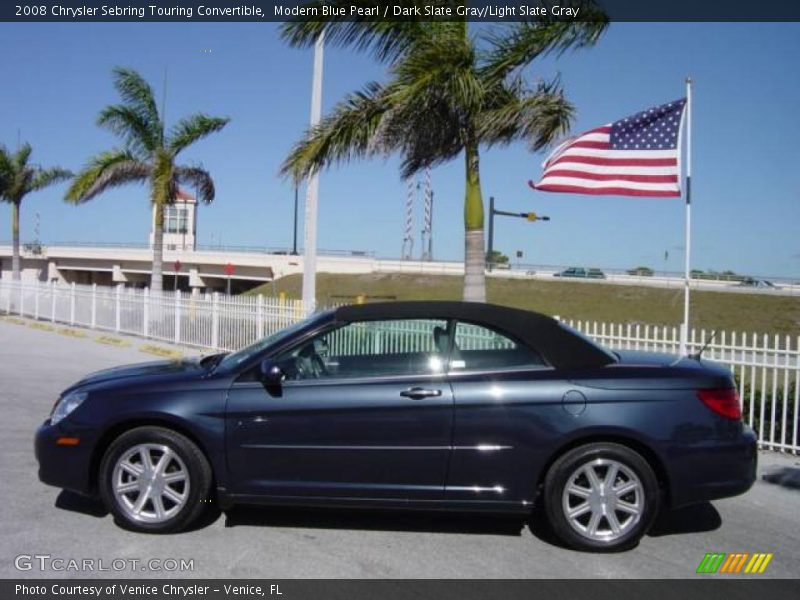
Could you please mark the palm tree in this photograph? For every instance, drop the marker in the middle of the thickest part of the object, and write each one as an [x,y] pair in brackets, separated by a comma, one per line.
[451,91]
[17,180]
[148,155]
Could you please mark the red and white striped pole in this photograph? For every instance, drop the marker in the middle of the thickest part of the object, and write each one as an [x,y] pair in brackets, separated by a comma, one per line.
[427,217]
[408,231]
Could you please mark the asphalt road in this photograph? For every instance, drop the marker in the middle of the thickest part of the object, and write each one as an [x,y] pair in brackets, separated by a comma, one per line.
[282,543]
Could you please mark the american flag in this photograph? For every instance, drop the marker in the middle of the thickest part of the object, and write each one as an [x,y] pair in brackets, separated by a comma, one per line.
[635,156]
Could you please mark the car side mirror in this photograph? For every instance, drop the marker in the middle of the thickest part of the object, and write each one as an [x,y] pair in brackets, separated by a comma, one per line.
[271,373]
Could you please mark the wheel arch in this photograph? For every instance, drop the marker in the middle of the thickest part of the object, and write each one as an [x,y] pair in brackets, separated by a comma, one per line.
[637,445]
[121,427]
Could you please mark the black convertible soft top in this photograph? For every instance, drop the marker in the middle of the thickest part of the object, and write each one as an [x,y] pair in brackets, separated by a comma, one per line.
[561,347]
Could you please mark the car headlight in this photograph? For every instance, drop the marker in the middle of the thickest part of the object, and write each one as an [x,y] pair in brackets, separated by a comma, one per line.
[66,405]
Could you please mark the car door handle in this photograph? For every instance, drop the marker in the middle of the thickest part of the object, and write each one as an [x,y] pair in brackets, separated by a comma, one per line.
[416,393]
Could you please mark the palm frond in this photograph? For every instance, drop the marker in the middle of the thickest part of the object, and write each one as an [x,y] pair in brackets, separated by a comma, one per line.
[199,179]
[138,94]
[514,47]
[536,116]
[20,158]
[5,172]
[104,171]
[140,135]
[190,129]
[440,65]
[347,133]
[384,40]
[428,138]
[43,178]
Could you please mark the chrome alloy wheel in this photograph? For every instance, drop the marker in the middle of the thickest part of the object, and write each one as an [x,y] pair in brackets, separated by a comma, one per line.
[603,500]
[150,483]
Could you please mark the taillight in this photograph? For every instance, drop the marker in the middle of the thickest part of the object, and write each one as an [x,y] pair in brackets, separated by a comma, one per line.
[723,401]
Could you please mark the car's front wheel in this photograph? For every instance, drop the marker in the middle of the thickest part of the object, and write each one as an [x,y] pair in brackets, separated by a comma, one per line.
[601,497]
[154,480]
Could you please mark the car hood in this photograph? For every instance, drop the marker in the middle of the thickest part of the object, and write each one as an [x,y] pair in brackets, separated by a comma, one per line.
[149,372]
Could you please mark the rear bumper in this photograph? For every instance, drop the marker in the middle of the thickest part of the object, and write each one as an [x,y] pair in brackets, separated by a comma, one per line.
[66,467]
[718,469]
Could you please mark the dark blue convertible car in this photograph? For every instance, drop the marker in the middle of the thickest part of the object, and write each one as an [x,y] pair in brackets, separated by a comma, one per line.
[426,405]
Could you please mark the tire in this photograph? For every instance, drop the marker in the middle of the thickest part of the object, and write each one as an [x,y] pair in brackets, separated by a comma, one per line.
[168,468]
[601,519]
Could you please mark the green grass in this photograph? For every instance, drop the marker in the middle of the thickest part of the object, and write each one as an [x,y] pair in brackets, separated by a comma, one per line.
[758,313]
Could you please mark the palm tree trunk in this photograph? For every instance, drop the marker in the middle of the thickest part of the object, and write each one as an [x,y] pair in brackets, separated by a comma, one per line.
[15,261]
[157,278]
[474,250]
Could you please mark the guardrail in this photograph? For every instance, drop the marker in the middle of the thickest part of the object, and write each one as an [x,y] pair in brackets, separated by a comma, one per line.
[766,368]
[40,248]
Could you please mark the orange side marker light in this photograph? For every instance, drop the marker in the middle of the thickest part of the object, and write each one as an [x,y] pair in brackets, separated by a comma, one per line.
[67,441]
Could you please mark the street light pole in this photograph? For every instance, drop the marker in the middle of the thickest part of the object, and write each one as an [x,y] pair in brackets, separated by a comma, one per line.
[294,239]
[489,254]
[312,190]
[530,216]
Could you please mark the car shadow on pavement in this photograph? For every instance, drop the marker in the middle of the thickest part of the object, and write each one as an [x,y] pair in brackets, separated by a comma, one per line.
[84,505]
[695,518]
[94,507]
[788,477]
[373,520]
[540,527]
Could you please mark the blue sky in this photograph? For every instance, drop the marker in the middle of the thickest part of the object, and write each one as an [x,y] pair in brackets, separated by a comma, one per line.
[746,180]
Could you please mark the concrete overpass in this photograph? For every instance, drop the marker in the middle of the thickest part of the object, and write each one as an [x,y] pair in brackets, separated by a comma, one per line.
[203,268]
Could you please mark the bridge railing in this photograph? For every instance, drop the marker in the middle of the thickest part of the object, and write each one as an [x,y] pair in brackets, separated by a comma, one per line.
[766,368]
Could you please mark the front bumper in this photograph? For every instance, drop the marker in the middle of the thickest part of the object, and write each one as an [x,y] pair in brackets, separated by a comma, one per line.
[67,467]
[719,469]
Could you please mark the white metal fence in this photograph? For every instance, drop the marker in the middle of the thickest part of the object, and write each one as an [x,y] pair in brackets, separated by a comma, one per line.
[212,321]
[767,368]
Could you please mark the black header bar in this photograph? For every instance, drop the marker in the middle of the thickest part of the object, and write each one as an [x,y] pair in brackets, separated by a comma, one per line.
[137,11]
[744,588]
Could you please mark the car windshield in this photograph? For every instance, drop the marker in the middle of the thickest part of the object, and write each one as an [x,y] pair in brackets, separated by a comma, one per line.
[236,358]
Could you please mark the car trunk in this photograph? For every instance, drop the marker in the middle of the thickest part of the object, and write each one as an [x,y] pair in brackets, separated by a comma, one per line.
[657,370]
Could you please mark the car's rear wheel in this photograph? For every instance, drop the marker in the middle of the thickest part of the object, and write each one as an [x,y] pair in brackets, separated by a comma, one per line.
[601,497]
[154,480]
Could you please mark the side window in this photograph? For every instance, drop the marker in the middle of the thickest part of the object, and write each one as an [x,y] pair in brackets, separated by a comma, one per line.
[478,348]
[371,349]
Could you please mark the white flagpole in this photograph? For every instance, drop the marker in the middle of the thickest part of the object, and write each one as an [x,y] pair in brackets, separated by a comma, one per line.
[312,190]
[688,232]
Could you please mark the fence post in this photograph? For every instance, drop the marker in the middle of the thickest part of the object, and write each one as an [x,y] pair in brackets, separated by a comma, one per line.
[177,316]
[8,300]
[94,305]
[260,317]
[146,313]
[72,303]
[36,301]
[215,320]
[118,309]
[21,300]
[53,303]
